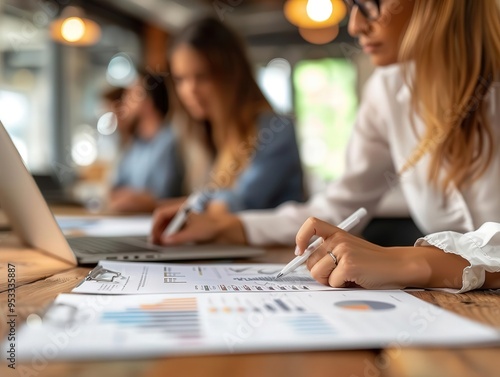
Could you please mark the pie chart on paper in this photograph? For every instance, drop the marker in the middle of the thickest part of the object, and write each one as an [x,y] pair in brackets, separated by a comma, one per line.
[364,305]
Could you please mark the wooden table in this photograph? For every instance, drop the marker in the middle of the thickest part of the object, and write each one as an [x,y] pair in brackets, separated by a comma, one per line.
[40,279]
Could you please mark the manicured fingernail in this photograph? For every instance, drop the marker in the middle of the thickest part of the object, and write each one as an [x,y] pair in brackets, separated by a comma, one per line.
[297,251]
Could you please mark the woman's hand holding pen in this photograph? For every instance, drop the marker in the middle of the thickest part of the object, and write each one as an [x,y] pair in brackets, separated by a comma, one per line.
[161,218]
[215,224]
[359,262]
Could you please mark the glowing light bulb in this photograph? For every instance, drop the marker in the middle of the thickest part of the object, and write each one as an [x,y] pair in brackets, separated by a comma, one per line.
[319,10]
[73,29]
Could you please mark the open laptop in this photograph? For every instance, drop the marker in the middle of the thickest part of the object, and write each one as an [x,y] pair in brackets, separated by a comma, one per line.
[36,226]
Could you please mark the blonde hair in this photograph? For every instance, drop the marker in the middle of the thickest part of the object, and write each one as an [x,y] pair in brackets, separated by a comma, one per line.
[454,50]
[226,154]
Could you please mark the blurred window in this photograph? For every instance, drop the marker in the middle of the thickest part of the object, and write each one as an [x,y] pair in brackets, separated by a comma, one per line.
[51,93]
[325,105]
[24,83]
[274,80]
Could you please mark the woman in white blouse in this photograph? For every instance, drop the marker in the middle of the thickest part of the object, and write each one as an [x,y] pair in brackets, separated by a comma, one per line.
[430,115]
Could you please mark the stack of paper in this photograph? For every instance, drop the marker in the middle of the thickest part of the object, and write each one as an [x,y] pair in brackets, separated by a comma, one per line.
[95,326]
[231,308]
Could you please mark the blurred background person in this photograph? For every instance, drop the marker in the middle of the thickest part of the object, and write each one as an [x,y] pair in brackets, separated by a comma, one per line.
[416,122]
[237,151]
[150,167]
[113,102]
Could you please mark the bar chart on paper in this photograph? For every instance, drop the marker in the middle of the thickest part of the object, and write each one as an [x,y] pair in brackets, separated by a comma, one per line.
[181,316]
[171,315]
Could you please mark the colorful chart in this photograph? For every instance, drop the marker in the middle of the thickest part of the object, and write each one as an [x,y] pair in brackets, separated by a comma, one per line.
[364,305]
[175,316]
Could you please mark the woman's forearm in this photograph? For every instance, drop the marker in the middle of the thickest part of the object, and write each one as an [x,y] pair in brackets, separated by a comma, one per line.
[430,267]
[492,280]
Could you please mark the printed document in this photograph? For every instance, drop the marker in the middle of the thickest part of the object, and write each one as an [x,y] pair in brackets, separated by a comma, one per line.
[143,326]
[110,277]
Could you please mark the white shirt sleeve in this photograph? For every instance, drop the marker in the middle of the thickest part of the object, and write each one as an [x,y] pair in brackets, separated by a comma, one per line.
[481,248]
[368,169]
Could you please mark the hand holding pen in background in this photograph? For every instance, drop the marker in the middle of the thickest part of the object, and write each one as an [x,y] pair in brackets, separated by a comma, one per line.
[190,205]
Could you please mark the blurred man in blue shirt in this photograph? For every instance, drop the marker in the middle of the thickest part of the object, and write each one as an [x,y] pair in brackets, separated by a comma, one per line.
[150,168]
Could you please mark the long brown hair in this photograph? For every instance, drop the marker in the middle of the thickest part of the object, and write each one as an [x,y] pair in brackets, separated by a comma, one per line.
[454,50]
[229,67]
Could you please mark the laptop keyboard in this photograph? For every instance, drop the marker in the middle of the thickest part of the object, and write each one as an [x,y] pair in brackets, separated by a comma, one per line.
[106,245]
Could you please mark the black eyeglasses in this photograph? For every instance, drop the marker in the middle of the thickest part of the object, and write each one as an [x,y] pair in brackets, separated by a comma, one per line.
[368,8]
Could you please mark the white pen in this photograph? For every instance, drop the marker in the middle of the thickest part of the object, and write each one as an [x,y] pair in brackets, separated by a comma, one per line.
[182,214]
[346,225]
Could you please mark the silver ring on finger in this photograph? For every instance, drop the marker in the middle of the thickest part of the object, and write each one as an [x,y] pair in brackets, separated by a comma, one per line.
[333,257]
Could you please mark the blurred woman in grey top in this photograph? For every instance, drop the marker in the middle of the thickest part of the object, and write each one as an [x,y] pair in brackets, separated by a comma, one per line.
[150,167]
[237,151]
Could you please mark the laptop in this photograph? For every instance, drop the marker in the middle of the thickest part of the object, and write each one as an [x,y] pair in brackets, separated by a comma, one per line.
[54,192]
[34,223]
